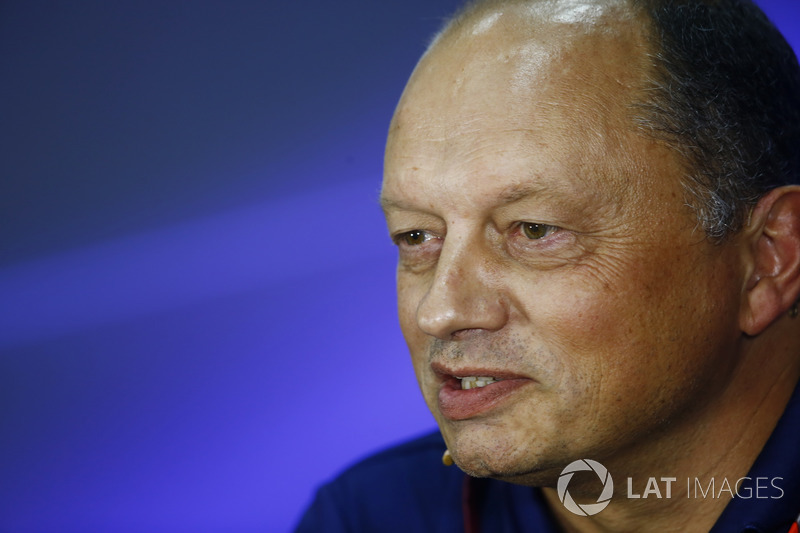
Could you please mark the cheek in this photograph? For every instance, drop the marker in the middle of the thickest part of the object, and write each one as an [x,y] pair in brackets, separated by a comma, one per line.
[409,295]
[644,340]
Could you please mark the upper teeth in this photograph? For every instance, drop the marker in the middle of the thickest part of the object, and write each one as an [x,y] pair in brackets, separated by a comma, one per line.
[476,382]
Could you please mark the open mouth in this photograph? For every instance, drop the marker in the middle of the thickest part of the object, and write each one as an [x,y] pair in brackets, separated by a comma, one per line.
[462,397]
[476,382]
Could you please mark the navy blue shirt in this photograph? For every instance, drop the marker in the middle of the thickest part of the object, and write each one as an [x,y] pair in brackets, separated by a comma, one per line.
[406,488]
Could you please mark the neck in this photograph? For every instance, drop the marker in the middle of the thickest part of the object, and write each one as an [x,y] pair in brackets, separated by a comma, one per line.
[719,442]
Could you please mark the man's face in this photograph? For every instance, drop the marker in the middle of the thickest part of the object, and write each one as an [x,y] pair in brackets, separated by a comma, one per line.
[545,243]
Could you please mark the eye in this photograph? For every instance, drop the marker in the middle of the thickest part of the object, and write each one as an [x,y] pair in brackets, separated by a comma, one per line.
[413,237]
[535,231]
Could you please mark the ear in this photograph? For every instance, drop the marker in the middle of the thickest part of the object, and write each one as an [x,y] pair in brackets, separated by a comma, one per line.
[774,236]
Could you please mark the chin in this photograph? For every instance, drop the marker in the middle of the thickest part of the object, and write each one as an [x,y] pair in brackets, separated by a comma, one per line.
[519,473]
[483,455]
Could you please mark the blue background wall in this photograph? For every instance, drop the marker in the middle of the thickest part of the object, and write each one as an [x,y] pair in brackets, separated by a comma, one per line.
[197,320]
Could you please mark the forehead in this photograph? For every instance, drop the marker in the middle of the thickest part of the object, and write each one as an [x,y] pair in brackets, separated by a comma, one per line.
[558,83]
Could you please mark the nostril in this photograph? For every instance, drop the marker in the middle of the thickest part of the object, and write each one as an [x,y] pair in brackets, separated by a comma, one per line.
[463,334]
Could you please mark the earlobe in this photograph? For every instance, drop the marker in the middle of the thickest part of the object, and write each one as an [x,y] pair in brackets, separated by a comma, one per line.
[773,287]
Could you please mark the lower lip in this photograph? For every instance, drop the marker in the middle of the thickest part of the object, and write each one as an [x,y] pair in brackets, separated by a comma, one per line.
[456,403]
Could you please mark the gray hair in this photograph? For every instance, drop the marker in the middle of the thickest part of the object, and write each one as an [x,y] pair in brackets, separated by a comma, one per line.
[725,93]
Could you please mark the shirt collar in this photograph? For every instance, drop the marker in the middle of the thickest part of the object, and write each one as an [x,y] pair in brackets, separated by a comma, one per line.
[777,467]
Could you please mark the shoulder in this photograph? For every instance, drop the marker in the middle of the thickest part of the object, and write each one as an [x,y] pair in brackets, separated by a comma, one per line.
[402,488]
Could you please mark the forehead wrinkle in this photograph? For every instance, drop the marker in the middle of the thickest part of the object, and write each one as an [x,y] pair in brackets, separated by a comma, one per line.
[539,114]
[477,162]
[583,160]
[535,186]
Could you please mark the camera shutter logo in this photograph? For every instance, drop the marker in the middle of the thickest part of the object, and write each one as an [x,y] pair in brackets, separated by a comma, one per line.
[587,509]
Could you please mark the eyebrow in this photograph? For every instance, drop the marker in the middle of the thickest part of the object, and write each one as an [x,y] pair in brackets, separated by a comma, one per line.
[519,191]
[509,195]
[387,203]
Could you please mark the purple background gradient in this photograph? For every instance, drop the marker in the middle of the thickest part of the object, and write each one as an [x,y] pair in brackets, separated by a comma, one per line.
[197,317]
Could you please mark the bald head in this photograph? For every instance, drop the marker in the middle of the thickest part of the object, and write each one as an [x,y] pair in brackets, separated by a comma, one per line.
[531,37]
[478,17]
[568,77]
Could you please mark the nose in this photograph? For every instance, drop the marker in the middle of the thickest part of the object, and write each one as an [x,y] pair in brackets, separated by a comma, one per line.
[464,294]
